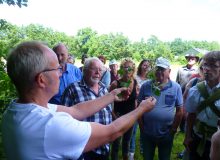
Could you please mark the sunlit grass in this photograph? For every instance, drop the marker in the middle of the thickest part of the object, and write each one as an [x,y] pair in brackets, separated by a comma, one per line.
[177,147]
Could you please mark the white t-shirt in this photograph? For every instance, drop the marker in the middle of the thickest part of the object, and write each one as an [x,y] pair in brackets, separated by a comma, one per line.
[30,131]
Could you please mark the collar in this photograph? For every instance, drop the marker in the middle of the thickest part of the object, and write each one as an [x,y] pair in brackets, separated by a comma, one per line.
[168,85]
[67,67]
[191,69]
[83,84]
[212,89]
[165,87]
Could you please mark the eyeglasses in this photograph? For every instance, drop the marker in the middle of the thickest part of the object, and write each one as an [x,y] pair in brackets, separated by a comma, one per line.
[96,69]
[60,69]
[209,66]
[129,69]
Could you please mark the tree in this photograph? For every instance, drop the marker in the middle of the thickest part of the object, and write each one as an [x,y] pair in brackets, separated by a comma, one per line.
[10,35]
[157,48]
[19,3]
[83,40]
[139,50]
[178,46]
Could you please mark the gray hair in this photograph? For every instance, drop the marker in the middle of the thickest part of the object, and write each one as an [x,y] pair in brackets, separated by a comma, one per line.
[25,62]
[212,56]
[88,62]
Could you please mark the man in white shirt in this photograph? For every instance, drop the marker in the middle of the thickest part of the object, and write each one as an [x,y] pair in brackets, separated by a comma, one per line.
[34,129]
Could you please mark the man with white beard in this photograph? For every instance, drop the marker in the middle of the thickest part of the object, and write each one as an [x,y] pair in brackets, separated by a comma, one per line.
[90,87]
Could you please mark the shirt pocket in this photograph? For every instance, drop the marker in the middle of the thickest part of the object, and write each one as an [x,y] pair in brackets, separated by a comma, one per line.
[169,99]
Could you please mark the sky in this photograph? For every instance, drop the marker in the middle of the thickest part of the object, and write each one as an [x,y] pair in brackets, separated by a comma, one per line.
[136,19]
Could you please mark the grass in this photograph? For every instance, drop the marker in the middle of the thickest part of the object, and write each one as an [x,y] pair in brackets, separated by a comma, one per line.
[177,147]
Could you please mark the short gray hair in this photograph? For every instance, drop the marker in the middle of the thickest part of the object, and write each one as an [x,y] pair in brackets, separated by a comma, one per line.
[25,62]
[88,62]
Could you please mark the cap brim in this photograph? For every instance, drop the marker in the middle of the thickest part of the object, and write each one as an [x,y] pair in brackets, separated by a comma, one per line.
[163,66]
[112,63]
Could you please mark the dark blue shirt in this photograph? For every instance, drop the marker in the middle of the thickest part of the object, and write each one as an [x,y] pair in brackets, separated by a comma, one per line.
[72,74]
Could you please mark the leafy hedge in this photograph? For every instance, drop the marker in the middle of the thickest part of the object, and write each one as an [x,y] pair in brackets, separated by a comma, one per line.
[7,89]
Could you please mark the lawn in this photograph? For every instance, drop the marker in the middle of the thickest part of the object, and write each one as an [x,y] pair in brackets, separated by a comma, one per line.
[177,147]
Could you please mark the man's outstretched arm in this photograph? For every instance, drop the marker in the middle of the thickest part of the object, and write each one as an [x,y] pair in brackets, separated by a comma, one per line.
[102,134]
[85,109]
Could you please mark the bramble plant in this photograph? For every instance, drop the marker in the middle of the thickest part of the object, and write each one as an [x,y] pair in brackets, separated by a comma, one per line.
[155,86]
[121,72]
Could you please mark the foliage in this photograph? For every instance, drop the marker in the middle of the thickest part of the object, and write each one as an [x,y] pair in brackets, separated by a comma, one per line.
[112,46]
[10,35]
[178,46]
[7,89]
[19,3]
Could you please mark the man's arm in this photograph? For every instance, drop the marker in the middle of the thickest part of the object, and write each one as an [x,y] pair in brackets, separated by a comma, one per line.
[177,119]
[215,146]
[190,120]
[102,134]
[85,109]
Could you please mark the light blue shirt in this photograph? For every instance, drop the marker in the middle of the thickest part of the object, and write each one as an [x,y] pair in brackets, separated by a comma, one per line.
[194,99]
[106,78]
[72,74]
[158,121]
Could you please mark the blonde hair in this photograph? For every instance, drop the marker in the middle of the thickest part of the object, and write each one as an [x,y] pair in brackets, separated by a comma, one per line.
[129,60]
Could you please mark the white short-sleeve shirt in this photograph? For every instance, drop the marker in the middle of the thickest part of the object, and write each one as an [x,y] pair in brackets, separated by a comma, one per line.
[30,131]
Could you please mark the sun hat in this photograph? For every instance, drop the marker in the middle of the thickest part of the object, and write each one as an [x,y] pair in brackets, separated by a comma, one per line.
[192,55]
[113,61]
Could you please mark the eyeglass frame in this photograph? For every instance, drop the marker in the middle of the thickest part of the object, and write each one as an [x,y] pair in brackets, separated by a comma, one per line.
[60,69]
[209,66]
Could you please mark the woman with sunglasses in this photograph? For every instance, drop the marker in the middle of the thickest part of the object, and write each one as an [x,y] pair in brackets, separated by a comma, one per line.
[127,70]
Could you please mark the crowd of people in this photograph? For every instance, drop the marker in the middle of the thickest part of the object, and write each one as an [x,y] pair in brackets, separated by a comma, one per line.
[87,113]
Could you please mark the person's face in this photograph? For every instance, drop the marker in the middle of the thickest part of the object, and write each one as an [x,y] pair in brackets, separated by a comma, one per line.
[62,54]
[162,74]
[191,61]
[128,70]
[52,73]
[114,68]
[70,60]
[145,66]
[211,70]
[102,59]
[94,72]
[83,59]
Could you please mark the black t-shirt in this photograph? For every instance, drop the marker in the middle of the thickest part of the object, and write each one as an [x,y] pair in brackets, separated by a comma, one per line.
[123,107]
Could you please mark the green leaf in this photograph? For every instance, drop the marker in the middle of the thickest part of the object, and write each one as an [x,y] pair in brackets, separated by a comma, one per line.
[125,84]
[120,71]
[157,91]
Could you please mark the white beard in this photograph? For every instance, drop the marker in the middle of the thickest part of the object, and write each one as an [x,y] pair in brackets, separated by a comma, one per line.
[94,80]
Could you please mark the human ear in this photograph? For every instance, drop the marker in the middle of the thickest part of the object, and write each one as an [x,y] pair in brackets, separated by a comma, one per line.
[40,80]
